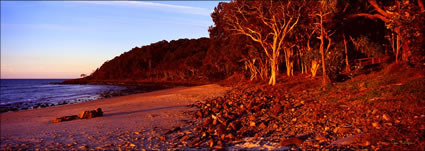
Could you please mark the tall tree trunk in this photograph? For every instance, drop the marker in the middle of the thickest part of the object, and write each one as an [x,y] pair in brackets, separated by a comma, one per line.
[288,62]
[347,64]
[314,67]
[397,48]
[272,80]
[325,79]
[393,43]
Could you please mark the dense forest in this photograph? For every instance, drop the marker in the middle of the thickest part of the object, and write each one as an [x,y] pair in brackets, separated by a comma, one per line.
[266,39]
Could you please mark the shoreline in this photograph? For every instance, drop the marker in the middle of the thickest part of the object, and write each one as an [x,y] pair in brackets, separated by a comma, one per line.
[130,87]
[132,115]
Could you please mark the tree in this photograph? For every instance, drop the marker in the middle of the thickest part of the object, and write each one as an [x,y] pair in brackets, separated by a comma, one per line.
[403,18]
[325,9]
[347,64]
[267,23]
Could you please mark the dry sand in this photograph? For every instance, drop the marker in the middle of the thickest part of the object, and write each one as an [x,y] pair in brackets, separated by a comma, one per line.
[129,122]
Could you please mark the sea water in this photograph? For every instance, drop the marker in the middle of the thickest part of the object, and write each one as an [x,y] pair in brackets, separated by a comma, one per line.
[21,94]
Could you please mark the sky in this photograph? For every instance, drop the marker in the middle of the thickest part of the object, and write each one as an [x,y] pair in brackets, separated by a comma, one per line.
[64,39]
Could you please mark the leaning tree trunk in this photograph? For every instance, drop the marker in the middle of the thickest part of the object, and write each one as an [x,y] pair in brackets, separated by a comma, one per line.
[347,64]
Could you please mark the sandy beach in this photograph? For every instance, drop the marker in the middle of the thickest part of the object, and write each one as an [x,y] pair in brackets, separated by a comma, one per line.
[129,122]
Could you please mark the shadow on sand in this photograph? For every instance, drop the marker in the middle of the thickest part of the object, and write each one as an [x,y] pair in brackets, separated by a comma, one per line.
[144,110]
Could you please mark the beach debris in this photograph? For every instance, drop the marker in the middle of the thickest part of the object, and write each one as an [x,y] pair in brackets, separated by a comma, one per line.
[83,115]
[64,118]
[91,114]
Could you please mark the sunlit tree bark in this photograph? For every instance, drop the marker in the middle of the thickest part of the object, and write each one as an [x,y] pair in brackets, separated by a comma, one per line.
[267,23]
[347,64]
[323,35]
[325,8]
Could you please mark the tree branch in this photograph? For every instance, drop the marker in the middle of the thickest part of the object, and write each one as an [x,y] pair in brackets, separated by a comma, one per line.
[377,8]
[370,16]
[421,5]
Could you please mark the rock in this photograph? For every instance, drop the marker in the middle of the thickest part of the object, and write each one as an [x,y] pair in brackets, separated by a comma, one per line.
[276,109]
[386,117]
[298,140]
[99,112]
[291,141]
[388,124]
[214,122]
[211,143]
[195,143]
[230,136]
[83,147]
[359,139]
[172,130]
[262,126]
[252,123]
[91,114]
[207,122]
[342,130]
[365,143]
[321,139]
[84,114]
[162,138]
[345,141]
[219,145]
[220,130]
[376,125]
[185,138]
[397,121]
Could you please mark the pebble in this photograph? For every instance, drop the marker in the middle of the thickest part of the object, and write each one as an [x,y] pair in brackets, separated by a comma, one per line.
[83,147]
[386,117]
[376,125]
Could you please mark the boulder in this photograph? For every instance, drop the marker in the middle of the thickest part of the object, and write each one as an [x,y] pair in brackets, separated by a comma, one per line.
[91,114]
[297,140]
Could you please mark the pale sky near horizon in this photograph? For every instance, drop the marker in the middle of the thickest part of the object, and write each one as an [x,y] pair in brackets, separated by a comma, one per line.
[63,39]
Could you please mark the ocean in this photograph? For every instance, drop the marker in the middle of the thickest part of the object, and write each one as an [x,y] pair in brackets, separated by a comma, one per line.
[22,94]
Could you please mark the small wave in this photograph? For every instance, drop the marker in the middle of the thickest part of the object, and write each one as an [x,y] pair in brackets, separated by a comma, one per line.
[50,93]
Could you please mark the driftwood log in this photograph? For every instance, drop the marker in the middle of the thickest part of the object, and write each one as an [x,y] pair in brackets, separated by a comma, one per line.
[83,115]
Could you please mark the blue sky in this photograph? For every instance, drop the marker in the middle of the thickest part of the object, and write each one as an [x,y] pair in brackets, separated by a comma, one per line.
[63,39]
